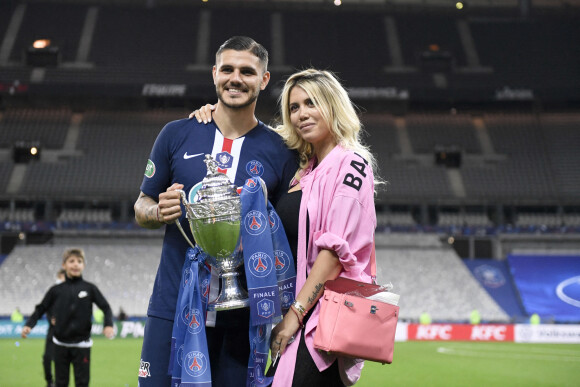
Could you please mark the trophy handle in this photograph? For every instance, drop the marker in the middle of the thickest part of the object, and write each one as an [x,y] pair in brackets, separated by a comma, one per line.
[265,189]
[178,223]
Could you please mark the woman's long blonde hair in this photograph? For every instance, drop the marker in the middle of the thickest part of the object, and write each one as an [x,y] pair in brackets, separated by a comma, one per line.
[335,106]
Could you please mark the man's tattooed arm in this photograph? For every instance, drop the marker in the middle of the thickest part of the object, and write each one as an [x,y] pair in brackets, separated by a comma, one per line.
[146,212]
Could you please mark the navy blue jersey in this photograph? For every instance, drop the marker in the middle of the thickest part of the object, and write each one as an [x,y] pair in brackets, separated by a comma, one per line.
[178,157]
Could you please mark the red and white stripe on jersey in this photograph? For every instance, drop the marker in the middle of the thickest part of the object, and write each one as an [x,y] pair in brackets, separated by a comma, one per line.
[233,147]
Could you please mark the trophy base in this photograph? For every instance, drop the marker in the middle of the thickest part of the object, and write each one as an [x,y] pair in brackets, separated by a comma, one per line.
[228,305]
[232,295]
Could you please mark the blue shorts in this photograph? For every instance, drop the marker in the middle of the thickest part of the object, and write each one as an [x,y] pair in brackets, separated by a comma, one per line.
[228,345]
[153,370]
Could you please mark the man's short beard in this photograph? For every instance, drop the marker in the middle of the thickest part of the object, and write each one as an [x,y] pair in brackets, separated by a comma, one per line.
[245,104]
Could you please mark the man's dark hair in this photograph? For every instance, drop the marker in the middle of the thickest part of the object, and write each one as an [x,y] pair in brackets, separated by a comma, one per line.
[244,43]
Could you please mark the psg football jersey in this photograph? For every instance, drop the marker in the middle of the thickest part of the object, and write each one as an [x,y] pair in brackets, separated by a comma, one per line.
[178,157]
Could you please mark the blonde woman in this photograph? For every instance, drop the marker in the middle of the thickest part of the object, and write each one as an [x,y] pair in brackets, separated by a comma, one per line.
[329,217]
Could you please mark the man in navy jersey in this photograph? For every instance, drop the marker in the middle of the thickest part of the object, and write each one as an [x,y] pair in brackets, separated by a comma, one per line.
[243,147]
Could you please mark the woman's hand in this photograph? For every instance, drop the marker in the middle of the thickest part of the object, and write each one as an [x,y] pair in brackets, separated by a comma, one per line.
[284,333]
[203,113]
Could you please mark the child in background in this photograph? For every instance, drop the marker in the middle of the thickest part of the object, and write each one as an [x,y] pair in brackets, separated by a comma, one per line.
[71,303]
[48,355]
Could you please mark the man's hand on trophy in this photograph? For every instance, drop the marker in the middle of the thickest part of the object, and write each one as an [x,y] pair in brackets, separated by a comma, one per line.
[169,207]
[203,113]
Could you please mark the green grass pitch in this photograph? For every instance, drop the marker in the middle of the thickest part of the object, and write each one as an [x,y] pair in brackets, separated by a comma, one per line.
[116,363]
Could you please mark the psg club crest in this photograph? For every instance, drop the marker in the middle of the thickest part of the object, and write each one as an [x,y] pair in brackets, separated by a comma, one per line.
[255,168]
[255,222]
[261,334]
[224,160]
[252,185]
[180,355]
[282,262]
[192,318]
[260,264]
[274,220]
[204,288]
[196,363]
[186,277]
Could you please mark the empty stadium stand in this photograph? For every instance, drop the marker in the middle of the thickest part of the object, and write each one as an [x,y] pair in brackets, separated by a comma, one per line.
[124,270]
[474,118]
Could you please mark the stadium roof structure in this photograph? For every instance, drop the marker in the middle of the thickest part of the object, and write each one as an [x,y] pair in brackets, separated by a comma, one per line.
[358,3]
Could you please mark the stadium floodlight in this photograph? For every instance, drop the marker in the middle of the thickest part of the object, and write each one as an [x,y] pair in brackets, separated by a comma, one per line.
[25,152]
[42,53]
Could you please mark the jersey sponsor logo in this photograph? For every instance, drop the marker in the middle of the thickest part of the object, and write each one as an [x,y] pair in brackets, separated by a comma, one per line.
[282,262]
[255,222]
[224,160]
[260,264]
[150,168]
[83,294]
[195,363]
[144,369]
[255,168]
[265,308]
[187,157]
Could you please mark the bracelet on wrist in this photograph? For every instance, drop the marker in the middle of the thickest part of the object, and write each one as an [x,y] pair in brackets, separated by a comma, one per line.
[298,316]
[299,308]
[159,220]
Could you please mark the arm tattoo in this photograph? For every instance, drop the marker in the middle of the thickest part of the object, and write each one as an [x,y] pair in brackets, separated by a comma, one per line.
[146,212]
[315,294]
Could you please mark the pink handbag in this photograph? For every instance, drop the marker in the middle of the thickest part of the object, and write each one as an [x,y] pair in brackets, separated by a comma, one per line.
[351,325]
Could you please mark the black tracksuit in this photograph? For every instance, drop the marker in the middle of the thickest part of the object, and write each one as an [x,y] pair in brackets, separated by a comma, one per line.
[71,302]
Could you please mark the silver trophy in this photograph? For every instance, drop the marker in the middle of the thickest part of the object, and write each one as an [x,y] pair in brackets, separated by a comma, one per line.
[214,220]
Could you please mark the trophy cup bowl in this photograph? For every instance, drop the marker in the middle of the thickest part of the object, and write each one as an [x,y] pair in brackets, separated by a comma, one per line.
[214,219]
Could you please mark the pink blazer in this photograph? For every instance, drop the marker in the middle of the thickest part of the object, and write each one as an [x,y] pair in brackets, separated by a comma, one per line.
[338,196]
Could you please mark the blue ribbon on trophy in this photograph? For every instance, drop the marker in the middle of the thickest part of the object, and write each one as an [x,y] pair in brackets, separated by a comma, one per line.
[269,268]
[284,262]
[230,230]
[189,364]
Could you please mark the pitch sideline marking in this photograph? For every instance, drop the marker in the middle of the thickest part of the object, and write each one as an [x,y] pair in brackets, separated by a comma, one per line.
[497,353]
